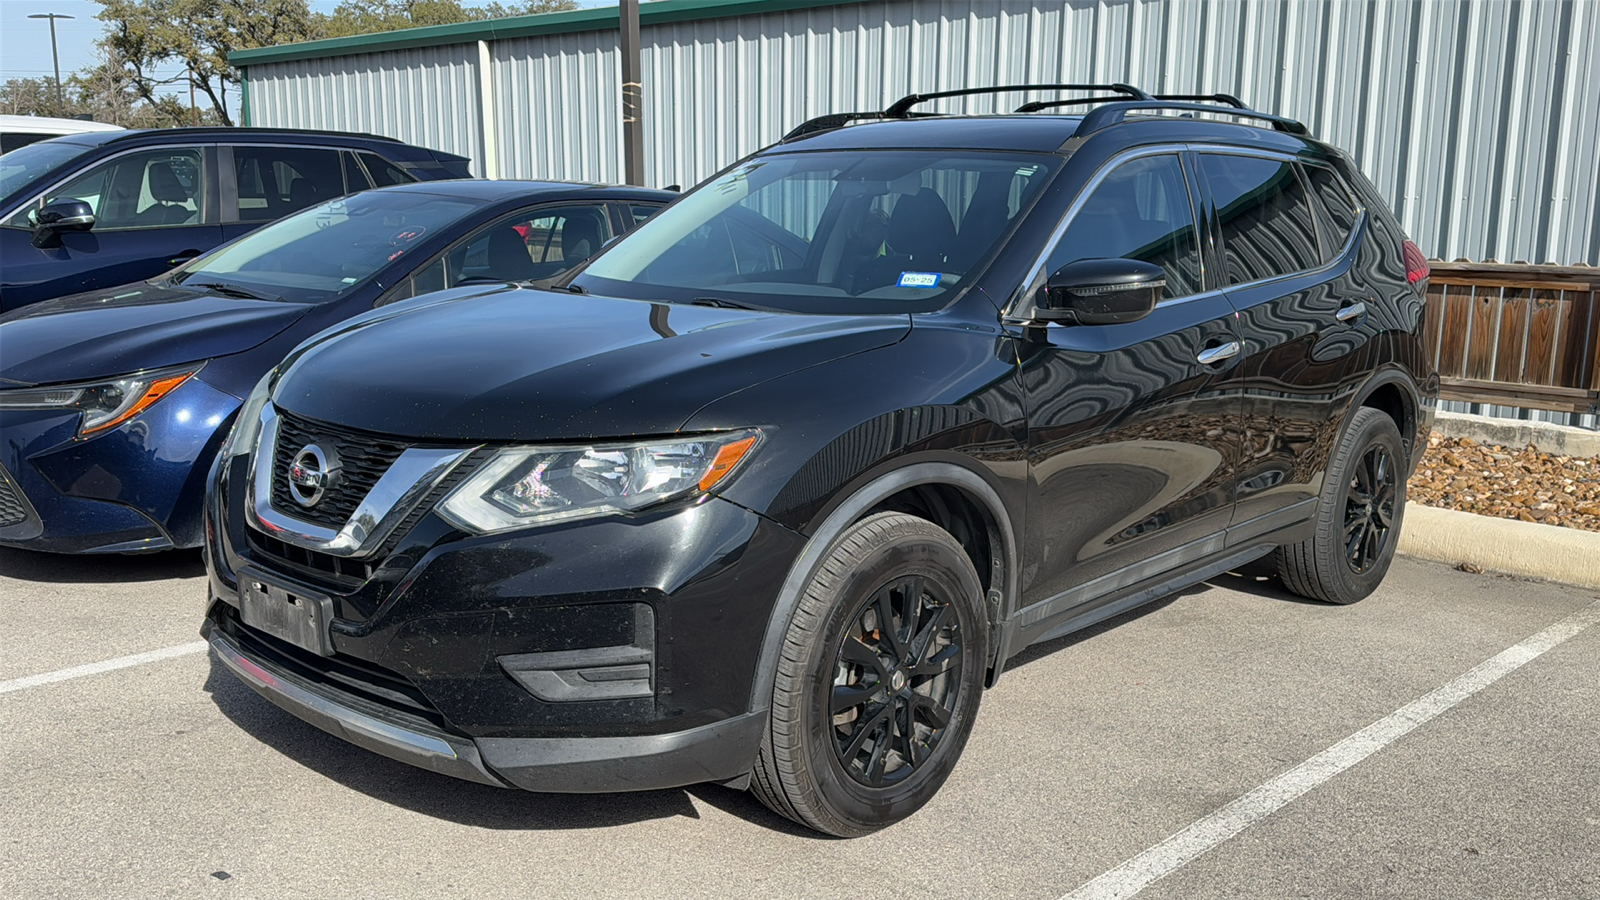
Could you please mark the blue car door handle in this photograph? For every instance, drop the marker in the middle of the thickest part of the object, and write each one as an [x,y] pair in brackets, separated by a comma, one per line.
[183,257]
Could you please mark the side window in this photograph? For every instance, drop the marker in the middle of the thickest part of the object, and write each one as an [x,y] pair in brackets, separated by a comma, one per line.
[642,211]
[1265,214]
[1339,204]
[384,173]
[145,189]
[276,181]
[1140,211]
[354,179]
[545,244]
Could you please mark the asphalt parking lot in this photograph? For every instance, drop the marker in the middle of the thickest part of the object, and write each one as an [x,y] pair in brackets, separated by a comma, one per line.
[168,778]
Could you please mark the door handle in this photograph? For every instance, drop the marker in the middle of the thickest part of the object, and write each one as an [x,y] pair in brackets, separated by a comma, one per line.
[1352,312]
[183,257]
[1220,353]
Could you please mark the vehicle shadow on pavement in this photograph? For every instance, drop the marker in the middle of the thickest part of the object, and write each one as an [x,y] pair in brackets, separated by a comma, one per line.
[451,799]
[59,568]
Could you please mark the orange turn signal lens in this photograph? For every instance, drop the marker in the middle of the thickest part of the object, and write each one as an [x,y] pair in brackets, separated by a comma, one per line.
[725,460]
[157,389]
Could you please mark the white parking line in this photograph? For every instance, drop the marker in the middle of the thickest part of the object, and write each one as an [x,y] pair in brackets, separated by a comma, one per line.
[121,662]
[1164,858]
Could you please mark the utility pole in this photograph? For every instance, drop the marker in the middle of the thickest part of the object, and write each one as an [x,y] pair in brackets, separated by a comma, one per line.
[61,106]
[632,94]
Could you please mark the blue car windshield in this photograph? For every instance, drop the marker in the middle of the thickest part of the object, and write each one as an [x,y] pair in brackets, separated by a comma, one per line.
[325,251]
[859,231]
[20,167]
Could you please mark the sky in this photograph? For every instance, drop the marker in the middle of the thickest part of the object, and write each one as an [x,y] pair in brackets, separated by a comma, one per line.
[25,42]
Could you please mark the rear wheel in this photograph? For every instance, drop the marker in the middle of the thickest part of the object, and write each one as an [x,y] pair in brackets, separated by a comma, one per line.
[1358,522]
[878,681]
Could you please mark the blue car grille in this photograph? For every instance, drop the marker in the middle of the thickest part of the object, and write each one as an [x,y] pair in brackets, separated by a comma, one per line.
[12,507]
[363,458]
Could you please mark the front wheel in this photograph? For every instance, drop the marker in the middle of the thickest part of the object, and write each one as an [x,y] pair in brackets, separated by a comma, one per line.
[878,681]
[1359,515]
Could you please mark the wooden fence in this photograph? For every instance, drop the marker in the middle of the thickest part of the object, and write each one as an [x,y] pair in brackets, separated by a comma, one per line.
[1516,335]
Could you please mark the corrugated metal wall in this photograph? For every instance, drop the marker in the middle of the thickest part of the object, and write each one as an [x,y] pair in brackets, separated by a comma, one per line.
[1477,118]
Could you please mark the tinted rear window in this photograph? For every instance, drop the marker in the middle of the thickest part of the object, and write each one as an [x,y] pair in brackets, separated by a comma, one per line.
[1267,225]
[1337,202]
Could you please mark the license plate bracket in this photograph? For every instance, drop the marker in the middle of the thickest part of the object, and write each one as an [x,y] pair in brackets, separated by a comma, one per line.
[287,612]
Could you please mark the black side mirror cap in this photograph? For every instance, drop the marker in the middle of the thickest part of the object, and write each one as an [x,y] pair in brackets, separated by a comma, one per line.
[58,217]
[1101,292]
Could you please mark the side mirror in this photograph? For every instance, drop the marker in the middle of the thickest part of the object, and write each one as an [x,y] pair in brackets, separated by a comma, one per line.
[1101,292]
[58,217]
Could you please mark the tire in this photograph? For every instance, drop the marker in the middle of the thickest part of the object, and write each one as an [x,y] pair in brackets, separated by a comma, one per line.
[1359,516]
[902,721]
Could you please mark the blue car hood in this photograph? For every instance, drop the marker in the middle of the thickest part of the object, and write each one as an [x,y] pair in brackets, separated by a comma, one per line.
[526,365]
[127,329]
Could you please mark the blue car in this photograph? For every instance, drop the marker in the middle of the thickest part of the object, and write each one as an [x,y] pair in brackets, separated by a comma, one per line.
[101,209]
[113,403]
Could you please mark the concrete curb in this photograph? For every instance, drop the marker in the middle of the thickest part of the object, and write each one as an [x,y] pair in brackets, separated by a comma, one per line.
[1510,546]
[1563,440]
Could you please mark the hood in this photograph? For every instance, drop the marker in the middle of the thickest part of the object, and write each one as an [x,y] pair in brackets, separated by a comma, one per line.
[529,365]
[127,329]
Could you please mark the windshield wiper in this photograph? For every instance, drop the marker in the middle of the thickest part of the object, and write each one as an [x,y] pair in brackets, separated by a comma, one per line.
[720,303]
[230,290]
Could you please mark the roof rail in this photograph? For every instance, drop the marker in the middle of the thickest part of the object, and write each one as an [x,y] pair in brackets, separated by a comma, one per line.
[1037,105]
[901,107]
[839,120]
[1113,113]
[1229,99]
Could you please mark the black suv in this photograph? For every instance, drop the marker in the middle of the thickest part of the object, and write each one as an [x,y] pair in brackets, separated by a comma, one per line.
[108,208]
[769,491]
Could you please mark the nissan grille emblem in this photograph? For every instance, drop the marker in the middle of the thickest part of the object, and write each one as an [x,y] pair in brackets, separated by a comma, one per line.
[311,474]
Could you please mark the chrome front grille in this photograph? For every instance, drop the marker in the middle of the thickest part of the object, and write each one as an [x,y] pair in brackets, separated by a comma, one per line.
[363,458]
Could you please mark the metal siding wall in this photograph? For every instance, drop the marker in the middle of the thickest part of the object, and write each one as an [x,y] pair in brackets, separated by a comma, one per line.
[426,96]
[1476,118]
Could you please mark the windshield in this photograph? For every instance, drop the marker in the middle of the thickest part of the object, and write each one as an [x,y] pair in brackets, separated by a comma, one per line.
[24,164]
[322,252]
[860,231]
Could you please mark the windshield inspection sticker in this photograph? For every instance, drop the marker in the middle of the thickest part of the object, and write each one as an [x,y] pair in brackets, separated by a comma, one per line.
[918,279]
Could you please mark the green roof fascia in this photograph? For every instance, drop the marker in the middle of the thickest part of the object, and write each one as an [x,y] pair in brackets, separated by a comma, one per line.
[604,18]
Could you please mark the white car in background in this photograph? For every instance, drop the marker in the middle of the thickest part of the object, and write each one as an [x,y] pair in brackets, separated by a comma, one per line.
[20,131]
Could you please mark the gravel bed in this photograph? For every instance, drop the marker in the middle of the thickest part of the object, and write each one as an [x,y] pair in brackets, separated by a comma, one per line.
[1526,484]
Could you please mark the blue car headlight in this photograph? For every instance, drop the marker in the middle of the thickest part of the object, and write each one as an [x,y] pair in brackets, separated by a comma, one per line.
[104,404]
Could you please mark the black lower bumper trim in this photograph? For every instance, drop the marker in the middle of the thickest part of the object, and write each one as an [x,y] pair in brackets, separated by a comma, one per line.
[416,743]
[721,751]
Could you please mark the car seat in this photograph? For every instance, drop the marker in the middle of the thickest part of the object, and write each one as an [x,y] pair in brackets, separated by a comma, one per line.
[169,194]
[507,256]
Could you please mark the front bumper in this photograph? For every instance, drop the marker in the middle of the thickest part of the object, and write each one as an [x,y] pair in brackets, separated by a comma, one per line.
[135,488]
[490,658]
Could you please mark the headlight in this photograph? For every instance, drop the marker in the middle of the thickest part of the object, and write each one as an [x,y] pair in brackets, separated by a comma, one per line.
[247,427]
[104,404]
[522,486]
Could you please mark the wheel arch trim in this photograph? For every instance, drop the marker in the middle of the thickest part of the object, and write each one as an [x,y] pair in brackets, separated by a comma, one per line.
[845,514]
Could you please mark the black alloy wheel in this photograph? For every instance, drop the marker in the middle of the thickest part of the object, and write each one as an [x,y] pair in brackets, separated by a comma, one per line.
[897,671]
[1359,515]
[878,679]
[1369,509]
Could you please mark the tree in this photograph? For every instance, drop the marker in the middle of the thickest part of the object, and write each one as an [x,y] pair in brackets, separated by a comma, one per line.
[353,17]
[144,35]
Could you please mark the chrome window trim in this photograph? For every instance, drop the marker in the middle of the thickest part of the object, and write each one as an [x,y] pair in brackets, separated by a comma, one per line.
[416,472]
[37,201]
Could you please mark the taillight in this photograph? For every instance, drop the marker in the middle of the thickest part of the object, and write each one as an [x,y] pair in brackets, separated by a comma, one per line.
[1416,263]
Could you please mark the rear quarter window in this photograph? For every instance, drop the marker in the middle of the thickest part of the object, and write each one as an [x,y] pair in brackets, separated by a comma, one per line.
[1338,201]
